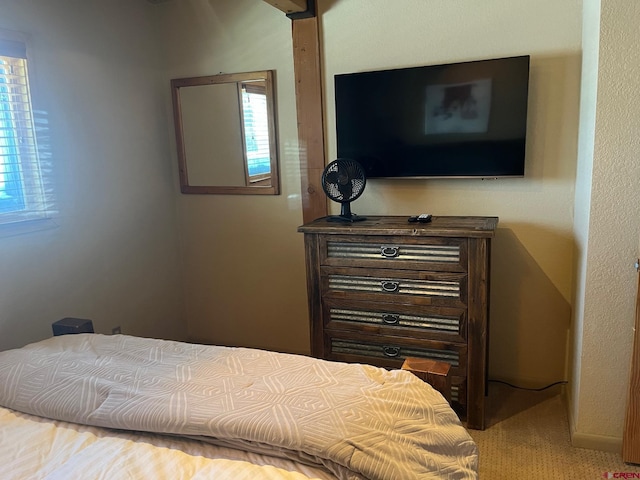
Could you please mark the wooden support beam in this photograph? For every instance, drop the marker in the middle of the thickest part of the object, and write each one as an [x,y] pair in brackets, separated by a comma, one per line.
[309,106]
[289,6]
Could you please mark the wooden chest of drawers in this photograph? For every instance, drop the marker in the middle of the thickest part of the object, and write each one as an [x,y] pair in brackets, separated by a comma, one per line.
[385,289]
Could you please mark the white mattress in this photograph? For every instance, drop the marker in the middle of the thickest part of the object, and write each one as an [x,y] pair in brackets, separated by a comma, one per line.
[36,448]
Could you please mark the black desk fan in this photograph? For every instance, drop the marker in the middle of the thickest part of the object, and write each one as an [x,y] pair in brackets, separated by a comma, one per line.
[343,181]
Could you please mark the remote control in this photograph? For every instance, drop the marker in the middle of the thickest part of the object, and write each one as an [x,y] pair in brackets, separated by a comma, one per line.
[423,218]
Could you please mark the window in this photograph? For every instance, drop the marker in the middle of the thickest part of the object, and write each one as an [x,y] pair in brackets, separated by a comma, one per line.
[256,132]
[21,191]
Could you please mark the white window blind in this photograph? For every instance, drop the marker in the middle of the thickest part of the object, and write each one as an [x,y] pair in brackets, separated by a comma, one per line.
[256,132]
[21,190]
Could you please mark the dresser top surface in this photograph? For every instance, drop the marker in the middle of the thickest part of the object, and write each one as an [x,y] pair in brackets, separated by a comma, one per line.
[480,227]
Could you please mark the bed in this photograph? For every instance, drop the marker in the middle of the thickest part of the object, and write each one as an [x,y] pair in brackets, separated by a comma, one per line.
[95,406]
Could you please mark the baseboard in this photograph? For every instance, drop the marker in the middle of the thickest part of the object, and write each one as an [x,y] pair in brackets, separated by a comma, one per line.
[596,442]
[586,440]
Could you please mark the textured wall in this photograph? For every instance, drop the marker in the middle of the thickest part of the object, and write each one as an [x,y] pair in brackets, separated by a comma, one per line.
[611,244]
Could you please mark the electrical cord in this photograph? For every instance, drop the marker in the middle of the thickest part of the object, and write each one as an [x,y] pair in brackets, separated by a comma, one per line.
[561,382]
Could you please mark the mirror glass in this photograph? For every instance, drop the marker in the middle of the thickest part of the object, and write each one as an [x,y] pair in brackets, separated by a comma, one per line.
[226,133]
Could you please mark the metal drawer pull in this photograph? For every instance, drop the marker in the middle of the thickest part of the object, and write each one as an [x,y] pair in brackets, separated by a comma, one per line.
[390,319]
[391,351]
[389,286]
[389,252]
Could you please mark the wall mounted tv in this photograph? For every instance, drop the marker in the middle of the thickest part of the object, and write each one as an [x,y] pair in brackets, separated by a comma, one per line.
[441,121]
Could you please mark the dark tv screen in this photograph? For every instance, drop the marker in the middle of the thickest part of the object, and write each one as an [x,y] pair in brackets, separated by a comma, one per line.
[455,120]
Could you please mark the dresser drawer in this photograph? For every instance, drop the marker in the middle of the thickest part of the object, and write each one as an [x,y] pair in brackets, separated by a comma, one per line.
[395,286]
[459,391]
[437,323]
[392,351]
[436,254]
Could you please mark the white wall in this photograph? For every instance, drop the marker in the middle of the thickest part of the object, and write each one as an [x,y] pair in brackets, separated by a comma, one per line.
[244,263]
[532,277]
[610,231]
[243,257]
[239,248]
[582,209]
[113,255]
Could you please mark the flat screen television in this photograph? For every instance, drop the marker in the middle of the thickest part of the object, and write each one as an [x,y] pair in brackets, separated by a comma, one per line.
[441,121]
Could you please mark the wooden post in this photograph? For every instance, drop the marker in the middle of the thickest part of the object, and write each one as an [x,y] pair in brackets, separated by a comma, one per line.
[309,106]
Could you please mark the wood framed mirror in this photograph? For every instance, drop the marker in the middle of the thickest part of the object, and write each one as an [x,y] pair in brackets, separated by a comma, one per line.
[226,133]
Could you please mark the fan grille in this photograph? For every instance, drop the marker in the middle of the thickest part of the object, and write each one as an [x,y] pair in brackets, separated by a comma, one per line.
[343,180]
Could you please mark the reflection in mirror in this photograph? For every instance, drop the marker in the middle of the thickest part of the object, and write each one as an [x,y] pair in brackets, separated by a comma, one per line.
[225,133]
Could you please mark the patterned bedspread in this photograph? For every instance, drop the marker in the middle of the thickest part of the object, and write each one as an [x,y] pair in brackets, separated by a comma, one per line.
[35,448]
[358,421]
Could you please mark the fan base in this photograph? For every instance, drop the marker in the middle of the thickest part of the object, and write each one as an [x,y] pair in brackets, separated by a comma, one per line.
[346,218]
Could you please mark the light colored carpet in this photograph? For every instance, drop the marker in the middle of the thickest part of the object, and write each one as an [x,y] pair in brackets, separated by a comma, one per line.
[528,437]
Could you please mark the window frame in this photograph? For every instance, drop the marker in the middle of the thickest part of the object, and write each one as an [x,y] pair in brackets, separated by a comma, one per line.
[18,132]
[247,91]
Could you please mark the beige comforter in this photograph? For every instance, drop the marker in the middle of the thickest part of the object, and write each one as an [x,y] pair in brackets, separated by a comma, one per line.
[357,421]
